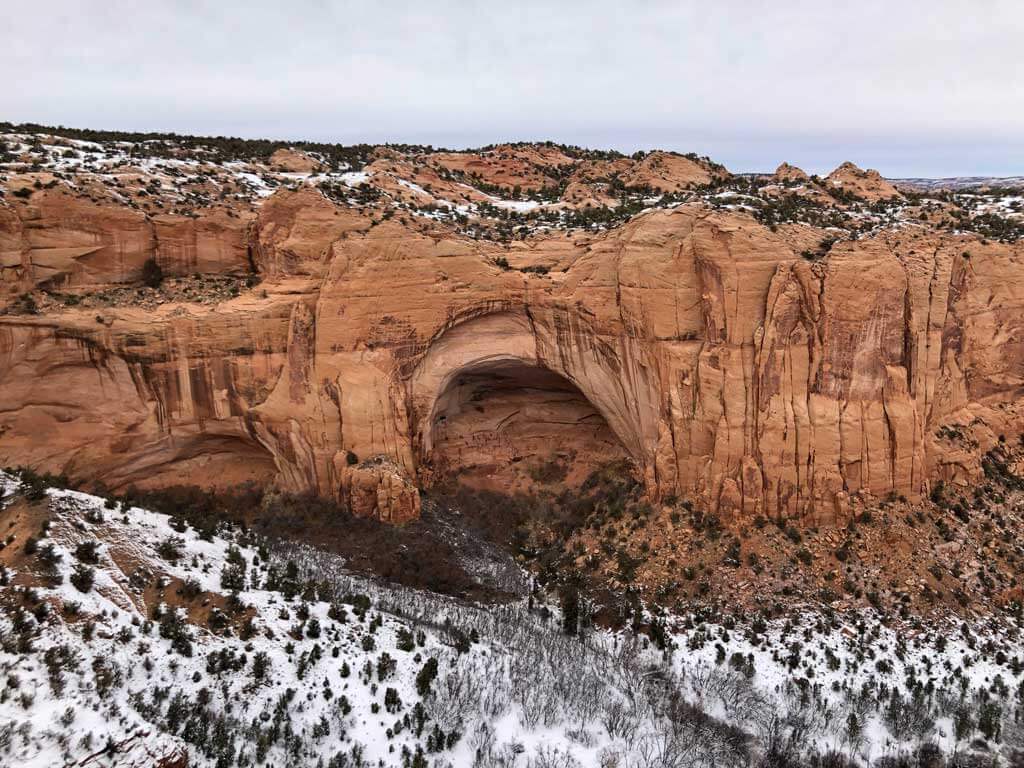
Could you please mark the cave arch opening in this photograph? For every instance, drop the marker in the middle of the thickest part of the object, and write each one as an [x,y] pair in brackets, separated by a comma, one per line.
[512,425]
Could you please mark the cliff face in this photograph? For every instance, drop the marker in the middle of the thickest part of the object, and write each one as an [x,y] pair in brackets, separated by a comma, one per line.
[71,241]
[382,355]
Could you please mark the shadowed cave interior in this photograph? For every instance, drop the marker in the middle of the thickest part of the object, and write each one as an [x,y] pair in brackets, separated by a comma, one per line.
[510,427]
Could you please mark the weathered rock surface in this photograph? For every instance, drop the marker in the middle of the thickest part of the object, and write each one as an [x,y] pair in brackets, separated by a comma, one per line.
[295,161]
[586,196]
[787,172]
[381,489]
[530,167]
[697,343]
[868,185]
[667,172]
[69,241]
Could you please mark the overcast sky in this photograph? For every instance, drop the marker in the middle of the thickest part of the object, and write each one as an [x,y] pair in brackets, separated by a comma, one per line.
[912,88]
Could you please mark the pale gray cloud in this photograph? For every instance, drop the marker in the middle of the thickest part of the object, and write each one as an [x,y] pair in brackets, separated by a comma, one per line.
[913,88]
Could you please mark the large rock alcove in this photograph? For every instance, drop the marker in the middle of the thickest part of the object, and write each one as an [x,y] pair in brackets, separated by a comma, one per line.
[508,426]
[494,413]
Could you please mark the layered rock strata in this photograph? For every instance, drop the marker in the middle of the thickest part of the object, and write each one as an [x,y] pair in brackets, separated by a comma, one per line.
[377,355]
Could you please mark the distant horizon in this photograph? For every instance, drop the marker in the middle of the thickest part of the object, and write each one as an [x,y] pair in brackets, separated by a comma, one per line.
[915,89]
[466,148]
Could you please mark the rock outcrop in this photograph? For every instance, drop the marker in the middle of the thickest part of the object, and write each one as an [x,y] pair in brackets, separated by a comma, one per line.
[867,185]
[382,490]
[529,167]
[786,172]
[581,195]
[69,241]
[382,353]
[669,172]
[295,161]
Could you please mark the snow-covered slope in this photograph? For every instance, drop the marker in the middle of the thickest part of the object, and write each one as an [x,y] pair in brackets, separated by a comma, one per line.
[129,640]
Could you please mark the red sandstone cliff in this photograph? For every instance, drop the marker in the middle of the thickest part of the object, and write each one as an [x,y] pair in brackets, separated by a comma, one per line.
[380,353]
